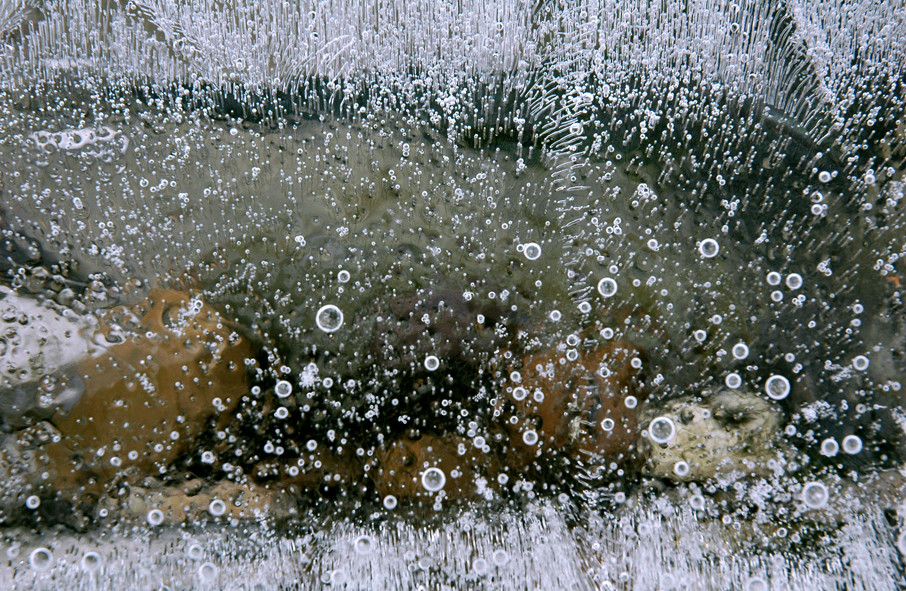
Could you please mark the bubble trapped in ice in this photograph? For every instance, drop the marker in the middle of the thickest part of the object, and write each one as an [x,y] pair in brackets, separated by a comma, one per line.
[284,260]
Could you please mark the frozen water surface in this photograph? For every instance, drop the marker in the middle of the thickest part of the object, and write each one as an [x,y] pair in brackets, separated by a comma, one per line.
[448,295]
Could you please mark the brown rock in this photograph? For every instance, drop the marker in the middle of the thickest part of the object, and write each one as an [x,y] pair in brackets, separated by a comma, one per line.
[147,399]
[404,462]
[576,407]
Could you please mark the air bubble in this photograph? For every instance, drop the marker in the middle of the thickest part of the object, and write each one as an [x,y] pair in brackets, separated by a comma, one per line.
[519,393]
[852,444]
[607,424]
[390,502]
[532,251]
[32,502]
[530,437]
[777,387]
[661,430]
[195,552]
[733,381]
[432,362]
[815,495]
[217,508]
[860,362]
[697,502]
[343,276]
[681,468]
[631,401]
[794,281]
[363,545]
[756,584]
[91,562]
[740,351]
[283,389]
[40,559]
[607,287]
[433,479]
[480,566]
[708,248]
[155,517]
[207,572]
[500,557]
[281,413]
[824,176]
[774,278]
[829,447]
[329,318]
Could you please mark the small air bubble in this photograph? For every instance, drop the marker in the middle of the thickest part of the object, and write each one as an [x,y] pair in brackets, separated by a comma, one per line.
[740,351]
[607,287]
[530,437]
[815,495]
[217,508]
[363,545]
[852,444]
[283,389]
[329,318]
[777,387]
[733,381]
[432,362]
[661,430]
[433,479]
[709,248]
[829,447]
[91,562]
[155,517]
[532,251]
[774,278]
[794,281]
[40,559]
[860,362]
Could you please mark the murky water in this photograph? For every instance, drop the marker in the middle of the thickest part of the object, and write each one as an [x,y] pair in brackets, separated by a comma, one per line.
[606,296]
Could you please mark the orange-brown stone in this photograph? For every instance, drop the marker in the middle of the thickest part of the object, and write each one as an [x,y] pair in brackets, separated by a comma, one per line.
[402,464]
[576,407]
[147,400]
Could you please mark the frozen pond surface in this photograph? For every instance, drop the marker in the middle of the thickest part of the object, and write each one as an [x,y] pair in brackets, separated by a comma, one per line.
[602,295]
